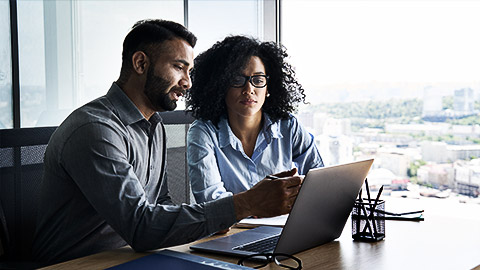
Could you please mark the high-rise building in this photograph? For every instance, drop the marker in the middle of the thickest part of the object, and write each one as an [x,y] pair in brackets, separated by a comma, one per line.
[432,102]
[463,101]
[334,145]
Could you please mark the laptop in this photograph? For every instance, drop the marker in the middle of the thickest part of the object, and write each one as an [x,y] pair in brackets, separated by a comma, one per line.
[318,215]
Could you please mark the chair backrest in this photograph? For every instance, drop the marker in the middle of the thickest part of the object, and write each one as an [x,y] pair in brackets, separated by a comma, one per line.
[21,169]
[176,127]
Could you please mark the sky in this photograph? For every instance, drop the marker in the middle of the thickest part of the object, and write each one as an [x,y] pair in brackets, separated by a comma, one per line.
[392,45]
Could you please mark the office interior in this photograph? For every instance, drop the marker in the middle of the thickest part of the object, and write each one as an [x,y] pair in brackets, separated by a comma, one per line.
[56,55]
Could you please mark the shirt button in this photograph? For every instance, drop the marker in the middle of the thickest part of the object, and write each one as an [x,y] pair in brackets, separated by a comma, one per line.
[151,167]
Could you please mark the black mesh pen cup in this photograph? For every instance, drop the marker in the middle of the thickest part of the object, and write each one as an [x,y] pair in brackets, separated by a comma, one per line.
[368,220]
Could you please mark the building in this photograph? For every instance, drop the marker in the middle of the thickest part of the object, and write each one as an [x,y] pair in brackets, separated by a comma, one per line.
[432,102]
[437,175]
[334,144]
[467,177]
[463,101]
[335,149]
[394,160]
[441,152]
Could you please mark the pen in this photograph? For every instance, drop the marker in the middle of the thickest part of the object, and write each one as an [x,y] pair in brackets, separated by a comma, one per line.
[372,211]
[272,177]
[368,190]
[404,218]
[367,223]
[398,214]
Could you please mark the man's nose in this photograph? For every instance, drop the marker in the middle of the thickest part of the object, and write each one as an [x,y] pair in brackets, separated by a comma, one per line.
[186,82]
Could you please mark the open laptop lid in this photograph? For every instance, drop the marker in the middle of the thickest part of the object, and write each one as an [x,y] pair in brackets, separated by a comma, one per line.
[318,216]
[322,207]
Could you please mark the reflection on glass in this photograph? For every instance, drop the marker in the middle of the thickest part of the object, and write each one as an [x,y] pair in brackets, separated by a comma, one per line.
[31,51]
[70,51]
[6,110]
[212,20]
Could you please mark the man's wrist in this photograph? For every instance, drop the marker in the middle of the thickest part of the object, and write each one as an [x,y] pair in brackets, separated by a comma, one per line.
[242,206]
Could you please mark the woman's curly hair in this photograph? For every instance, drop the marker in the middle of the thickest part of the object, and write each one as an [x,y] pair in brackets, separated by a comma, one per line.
[215,68]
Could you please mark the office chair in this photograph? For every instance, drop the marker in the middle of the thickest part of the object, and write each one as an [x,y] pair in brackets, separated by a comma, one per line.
[176,127]
[21,168]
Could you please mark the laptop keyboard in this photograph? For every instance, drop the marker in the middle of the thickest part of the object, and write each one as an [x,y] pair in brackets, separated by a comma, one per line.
[261,246]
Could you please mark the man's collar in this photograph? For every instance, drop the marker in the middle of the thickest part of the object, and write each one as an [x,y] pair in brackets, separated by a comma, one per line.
[126,109]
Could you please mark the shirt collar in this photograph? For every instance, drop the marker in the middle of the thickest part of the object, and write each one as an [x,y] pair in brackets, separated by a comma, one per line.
[126,109]
[226,135]
[271,130]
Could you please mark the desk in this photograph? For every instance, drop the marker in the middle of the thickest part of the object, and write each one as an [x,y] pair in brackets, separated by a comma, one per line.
[449,238]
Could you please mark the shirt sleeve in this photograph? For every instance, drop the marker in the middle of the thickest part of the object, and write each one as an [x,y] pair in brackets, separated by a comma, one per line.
[106,178]
[305,153]
[203,169]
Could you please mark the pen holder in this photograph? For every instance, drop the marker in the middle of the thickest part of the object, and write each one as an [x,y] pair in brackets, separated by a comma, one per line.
[368,220]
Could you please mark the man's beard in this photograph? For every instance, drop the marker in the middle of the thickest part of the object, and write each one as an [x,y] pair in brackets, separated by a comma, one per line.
[157,90]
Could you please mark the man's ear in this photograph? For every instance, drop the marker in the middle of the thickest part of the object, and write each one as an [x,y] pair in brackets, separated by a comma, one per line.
[140,62]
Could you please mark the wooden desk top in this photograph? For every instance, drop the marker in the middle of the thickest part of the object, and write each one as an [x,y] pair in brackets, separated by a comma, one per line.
[449,238]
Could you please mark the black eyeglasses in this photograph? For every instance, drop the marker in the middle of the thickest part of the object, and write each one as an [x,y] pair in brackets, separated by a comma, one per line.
[263,259]
[258,81]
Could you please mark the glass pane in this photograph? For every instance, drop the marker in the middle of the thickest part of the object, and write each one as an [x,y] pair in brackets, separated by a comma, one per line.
[213,20]
[394,80]
[6,108]
[70,51]
[100,38]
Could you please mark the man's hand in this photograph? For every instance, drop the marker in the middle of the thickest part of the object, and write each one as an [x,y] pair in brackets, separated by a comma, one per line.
[269,198]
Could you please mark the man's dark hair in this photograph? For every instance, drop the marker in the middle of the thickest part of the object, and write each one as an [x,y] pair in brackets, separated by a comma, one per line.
[148,36]
[215,68]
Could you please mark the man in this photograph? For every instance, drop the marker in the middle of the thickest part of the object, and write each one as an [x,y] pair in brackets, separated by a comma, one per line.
[104,183]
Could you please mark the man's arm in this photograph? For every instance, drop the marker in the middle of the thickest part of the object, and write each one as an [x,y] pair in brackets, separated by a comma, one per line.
[110,185]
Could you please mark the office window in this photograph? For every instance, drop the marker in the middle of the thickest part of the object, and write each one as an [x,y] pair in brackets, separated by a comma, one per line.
[212,20]
[70,51]
[6,108]
[394,80]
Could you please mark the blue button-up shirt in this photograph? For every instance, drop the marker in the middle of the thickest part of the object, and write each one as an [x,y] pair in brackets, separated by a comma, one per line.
[218,165]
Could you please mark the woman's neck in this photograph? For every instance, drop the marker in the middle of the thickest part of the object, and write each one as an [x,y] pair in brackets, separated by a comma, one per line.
[246,129]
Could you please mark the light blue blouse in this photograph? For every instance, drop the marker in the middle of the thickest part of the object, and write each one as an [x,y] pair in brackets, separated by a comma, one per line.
[218,166]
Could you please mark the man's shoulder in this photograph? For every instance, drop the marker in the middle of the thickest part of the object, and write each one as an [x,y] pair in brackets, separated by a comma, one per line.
[96,114]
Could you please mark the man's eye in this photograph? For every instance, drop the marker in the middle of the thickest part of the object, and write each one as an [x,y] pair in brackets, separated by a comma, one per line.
[178,67]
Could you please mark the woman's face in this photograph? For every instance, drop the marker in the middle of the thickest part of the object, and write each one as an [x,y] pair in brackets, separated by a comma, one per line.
[247,100]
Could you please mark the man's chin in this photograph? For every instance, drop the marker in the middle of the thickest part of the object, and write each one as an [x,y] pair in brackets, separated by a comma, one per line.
[170,106]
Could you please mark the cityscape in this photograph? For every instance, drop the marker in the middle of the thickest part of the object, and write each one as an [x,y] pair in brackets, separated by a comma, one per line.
[423,147]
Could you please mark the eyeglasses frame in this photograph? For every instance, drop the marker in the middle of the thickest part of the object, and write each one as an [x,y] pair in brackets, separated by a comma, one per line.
[272,257]
[249,79]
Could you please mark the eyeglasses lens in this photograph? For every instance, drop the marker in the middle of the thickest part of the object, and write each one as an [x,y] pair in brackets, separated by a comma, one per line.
[256,80]
[239,81]
[260,261]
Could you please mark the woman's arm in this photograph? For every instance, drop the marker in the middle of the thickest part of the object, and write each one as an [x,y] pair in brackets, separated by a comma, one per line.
[203,168]
[305,153]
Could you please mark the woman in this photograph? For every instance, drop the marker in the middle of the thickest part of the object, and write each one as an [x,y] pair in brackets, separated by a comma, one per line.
[243,95]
